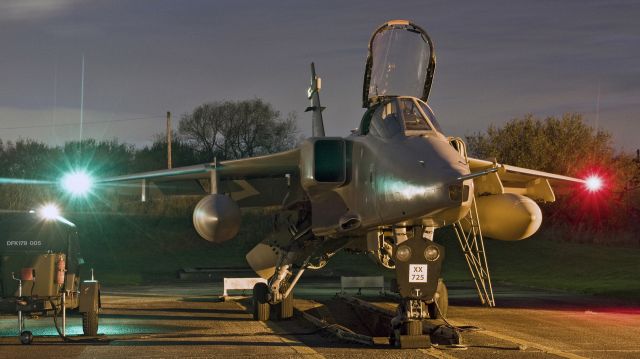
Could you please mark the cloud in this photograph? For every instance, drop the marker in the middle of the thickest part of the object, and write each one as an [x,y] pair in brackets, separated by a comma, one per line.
[18,10]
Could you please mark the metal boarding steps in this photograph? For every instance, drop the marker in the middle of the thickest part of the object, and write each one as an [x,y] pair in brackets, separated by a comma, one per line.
[472,245]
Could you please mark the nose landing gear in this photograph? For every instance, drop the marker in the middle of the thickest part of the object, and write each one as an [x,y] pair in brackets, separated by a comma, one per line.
[408,327]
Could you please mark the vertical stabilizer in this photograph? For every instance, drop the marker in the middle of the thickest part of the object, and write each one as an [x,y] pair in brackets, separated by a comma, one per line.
[314,97]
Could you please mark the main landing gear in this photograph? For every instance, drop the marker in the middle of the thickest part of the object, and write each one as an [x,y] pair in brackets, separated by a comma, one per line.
[263,310]
[293,246]
[275,299]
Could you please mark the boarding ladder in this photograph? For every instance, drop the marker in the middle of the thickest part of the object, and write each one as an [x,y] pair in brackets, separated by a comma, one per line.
[472,245]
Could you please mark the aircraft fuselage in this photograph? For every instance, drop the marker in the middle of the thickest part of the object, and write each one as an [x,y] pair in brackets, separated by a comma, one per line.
[403,180]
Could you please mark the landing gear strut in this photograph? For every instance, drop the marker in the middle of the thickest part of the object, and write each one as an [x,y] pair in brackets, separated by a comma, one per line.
[295,248]
[275,299]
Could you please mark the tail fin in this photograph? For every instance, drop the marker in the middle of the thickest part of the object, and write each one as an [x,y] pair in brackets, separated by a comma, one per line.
[314,96]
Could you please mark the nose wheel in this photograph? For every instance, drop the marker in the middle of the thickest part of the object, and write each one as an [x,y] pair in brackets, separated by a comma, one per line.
[412,327]
[409,336]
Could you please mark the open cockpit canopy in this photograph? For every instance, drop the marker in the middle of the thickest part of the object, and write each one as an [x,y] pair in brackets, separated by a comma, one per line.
[401,62]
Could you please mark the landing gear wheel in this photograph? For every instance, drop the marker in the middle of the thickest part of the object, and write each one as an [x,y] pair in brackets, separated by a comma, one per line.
[90,323]
[443,302]
[412,327]
[284,309]
[410,337]
[261,307]
[90,319]
[26,337]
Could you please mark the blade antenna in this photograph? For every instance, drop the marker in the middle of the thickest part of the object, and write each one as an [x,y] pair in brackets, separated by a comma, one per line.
[314,96]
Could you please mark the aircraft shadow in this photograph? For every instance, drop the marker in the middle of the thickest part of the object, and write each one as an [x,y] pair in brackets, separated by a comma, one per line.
[184,310]
[171,317]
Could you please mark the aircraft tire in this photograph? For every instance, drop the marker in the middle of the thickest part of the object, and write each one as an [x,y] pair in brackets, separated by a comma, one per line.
[413,327]
[443,302]
[90,319]
[261,307]
[90,323]
[284,309]
[26,337]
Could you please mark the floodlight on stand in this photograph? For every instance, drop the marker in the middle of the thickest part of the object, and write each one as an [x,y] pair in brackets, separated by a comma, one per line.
[77,183]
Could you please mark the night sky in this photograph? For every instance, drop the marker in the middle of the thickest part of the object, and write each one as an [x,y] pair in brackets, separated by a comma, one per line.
[496,60]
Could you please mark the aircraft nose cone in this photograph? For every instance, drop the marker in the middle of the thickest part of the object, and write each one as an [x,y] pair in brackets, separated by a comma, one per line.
[419,182]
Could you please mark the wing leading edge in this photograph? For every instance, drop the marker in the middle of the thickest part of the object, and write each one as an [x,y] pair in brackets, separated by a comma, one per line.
[535,184]
[251,182]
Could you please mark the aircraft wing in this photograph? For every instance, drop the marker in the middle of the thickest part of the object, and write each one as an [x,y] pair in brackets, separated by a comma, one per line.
[251,182]
[537,185]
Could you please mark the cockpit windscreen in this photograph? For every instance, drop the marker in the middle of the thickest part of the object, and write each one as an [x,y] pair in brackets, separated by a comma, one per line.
[399,116]
[429,113]
[413,119]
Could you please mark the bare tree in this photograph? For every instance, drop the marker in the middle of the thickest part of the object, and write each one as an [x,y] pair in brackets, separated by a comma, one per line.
[202,127]
[238,129]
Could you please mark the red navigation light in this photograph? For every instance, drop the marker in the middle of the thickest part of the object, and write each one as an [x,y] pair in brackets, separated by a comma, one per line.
[593,183]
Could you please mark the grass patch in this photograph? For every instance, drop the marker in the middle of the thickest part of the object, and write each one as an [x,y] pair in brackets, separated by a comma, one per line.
[127,249]
[536,262]
[543,263]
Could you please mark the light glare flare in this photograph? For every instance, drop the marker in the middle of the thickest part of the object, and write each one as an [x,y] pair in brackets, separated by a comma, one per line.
[77,183]
[593,183]
[49,212]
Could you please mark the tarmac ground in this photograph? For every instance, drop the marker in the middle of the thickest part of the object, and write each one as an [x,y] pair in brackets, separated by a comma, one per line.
[188,320]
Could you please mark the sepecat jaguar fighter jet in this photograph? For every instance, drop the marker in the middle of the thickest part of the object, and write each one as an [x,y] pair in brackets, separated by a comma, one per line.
[385,189]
